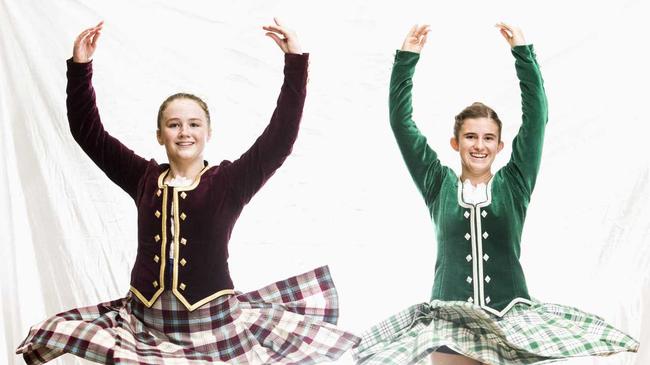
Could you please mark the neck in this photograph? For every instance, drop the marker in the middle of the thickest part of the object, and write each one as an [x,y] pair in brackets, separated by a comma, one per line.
[187,170]
[476,179]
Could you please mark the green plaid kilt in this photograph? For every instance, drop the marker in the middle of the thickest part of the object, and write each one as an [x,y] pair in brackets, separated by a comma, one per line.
[524,335]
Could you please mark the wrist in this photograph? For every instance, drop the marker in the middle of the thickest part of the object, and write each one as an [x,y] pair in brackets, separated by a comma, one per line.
[80,59]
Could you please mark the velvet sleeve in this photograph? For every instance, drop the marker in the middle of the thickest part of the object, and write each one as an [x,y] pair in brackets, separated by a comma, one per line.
[249,173]
[119,163]
[527,145]
[421,160]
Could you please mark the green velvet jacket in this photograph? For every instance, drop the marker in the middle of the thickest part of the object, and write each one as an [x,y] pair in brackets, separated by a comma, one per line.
[478,245]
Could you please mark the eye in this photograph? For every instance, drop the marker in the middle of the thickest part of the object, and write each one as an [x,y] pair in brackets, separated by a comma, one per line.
[172,125]
[194,124]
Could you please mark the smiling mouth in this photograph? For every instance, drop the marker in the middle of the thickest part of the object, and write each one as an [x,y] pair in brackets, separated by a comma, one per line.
[184,144]
[478,155]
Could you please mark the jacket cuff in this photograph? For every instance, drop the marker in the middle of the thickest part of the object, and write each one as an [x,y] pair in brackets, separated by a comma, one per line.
[79,69]
[525,52]
[406,57]
[296,61]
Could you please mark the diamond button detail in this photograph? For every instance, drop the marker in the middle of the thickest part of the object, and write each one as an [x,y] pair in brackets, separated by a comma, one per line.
[467,236]
[156,238]
[466,214]
[155,284]
[485,235]
[469,280]
[468,258]
[487,279]
[483,214]
[158,192]
[157,214]
[487,300]
[183,241]
[183,195]
[156,258]
[486,257]
[470,299]
[183,262]
[183,216]
[182,286]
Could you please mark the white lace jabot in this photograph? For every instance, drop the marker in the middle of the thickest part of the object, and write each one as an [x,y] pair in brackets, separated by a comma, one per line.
[474,194]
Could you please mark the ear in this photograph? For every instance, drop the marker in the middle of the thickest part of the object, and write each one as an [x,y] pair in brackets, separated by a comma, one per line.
[500,147]
[454,143]
[159,137]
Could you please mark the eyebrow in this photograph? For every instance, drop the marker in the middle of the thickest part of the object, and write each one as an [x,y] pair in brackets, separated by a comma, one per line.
[176,119]
[474,134]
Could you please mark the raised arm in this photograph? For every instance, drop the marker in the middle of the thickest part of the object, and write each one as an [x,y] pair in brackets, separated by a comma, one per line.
[119,163]
[527,145]
[421,161]
[257,165]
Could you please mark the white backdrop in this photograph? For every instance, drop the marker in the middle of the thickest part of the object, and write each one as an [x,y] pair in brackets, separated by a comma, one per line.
[344,197]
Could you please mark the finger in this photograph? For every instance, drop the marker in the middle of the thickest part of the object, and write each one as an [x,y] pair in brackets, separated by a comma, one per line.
[426,30]
[505,34]
[88,38]
[424,39]
[503,25]
[83,34]
[93,43]
[277,21]
[86,32]
[274,28]
[418,30]
[279,35]
[412,31]
[278,40]
[422,30]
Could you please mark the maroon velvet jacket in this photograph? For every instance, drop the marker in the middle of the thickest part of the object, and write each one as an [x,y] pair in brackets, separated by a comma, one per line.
[207,209]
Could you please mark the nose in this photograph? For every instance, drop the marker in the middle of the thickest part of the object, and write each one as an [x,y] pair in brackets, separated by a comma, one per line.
[478,144]
[183,131]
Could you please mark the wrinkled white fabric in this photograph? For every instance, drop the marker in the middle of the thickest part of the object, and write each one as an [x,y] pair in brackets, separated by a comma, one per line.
[344,197]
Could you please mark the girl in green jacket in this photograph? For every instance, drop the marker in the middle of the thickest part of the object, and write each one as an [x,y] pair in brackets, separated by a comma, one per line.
[480,310]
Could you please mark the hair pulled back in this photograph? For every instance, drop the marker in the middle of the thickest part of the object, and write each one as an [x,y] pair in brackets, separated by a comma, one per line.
[192,97]
[476,110]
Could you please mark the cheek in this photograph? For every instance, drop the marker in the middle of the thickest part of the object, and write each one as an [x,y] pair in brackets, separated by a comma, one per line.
[494,148]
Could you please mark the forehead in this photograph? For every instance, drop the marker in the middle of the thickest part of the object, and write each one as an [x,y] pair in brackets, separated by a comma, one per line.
[479,125]
[184,109]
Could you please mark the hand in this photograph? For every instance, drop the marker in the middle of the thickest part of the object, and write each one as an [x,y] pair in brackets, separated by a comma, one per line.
[86,43]
[513,35]
[286,38]
[416,38]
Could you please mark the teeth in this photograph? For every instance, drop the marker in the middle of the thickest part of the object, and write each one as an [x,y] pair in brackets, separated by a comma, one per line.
[478,155]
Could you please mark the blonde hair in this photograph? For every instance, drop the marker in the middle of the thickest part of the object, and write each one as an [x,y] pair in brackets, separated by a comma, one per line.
[192,97]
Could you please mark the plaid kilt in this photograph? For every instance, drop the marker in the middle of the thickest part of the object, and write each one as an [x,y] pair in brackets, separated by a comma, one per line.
[288,322]
[524,335]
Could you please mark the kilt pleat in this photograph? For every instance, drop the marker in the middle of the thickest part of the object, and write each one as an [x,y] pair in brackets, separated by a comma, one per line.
[288,322]
[535,334]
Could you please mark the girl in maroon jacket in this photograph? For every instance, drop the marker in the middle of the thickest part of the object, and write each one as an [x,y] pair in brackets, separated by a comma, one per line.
[182,307]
